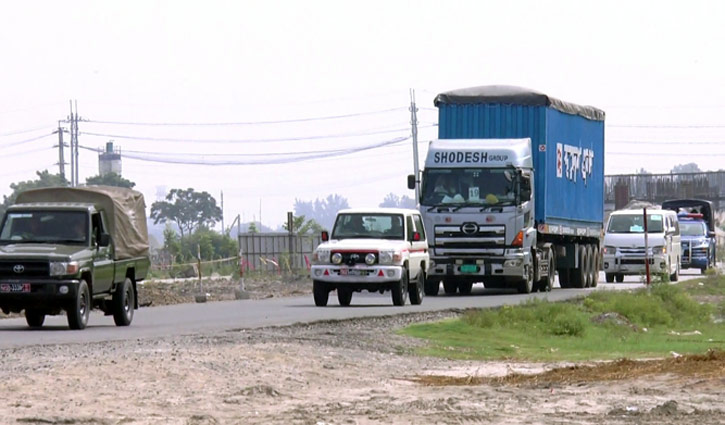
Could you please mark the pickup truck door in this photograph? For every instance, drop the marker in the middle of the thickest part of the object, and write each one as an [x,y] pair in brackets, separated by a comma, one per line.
[418,248]
[102,257]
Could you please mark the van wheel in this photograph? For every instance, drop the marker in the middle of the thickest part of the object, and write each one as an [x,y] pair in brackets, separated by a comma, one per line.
[320,292]
[35,318]
[80,308]
[123,303]
[619,278]
[674,277]
[415,290]
[609,277]
[432,286]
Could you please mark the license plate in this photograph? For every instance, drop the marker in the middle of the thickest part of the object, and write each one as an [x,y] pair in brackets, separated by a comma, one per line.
[15,287]
[469,268]
[352,272]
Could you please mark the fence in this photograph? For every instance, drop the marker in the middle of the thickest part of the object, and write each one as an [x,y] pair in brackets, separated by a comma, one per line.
[620,189]
[276,251]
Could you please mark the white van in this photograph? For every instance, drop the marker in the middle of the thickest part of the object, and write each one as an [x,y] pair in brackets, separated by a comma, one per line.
[624,253]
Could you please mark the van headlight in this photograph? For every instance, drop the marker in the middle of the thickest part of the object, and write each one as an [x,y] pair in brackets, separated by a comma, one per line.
[609,250]
[659,250]
[63,268]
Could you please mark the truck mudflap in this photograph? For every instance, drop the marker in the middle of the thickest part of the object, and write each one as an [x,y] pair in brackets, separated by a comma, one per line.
[16,295]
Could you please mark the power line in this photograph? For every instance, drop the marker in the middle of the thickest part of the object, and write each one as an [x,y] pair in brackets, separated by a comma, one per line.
[7,155]
[294,120]
[27,130]
[20,142]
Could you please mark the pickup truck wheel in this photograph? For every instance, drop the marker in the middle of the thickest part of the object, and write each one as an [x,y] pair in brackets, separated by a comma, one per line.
[80,308]
[415,290]
[123,303]
[400,289]
[450,286]
[320,292]
[344,296]
[34,318]
[432,286]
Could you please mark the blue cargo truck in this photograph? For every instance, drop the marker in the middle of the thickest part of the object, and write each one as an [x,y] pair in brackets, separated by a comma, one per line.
[512,191]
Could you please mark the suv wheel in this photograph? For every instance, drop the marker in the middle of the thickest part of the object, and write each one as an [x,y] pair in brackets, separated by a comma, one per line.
[320,292]
[35,318]
[400,289]
[415,289]
[344,296]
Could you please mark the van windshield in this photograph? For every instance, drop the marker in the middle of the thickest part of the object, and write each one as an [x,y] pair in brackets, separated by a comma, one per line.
[634,223]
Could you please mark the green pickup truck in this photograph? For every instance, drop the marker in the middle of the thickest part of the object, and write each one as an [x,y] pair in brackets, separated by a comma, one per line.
[73,249]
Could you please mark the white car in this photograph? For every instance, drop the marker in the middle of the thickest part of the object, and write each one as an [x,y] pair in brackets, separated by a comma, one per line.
[378,249]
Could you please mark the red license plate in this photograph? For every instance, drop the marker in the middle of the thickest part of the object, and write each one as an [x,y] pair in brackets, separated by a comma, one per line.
[343,271]
[15,287]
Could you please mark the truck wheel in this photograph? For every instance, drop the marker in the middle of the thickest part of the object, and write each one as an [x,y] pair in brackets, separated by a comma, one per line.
[547,282]
[595,266]
[35,318]
[432,285]
[320,292]
[620,278]
[527,284]
[344,296]
[450,286]
[565,278]
[579,274]
[400,289]
[415,291]
[609,277]
[80,308]
[123,303]
[674,277]
[464,288]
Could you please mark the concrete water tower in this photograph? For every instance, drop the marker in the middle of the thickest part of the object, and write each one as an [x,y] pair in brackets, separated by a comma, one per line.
[109,161]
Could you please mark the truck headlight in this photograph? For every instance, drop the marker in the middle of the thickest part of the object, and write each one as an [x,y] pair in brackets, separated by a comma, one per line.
[336,258]
[609,250]
[63,268]
[322,256]
[659,250]
[390,257]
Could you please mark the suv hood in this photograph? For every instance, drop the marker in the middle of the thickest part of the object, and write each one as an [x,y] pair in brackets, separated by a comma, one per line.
[41,251]
[365,244]
[633,240]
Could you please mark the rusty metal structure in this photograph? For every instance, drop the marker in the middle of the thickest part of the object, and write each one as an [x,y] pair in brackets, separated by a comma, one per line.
[619,189]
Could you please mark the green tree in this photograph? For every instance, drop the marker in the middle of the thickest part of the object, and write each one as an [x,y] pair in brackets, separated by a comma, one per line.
[189,209]
[110,179]
[394,201]
[302,226]
[45,179]
[252,228]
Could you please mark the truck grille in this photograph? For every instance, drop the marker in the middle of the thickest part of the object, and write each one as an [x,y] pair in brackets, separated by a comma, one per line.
[24,269]
[469,239]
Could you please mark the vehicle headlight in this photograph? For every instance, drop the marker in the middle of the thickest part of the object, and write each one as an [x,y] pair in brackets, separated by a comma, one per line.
[370,259]
[659,250]
[609,250]
[63,268]
[389,257]
[337,258]
[322,256]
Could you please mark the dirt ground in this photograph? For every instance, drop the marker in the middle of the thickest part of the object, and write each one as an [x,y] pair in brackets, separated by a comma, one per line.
[349,372]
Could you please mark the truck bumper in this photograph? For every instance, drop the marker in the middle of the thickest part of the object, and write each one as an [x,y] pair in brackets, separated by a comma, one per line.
[631,265]
[16,295]
[509,266]
[357,274]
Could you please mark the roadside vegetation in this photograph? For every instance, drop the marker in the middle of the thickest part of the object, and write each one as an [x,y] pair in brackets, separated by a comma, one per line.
[663,320]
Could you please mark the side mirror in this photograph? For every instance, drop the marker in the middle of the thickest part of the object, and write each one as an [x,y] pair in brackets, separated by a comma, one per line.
[710,234]
[416,236]
[411,181]
[104,239]
[325,236]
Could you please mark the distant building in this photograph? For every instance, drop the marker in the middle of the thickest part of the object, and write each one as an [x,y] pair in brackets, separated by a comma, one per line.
[109,161]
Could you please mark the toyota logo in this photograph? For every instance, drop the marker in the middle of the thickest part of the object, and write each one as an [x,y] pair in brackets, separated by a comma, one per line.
[19,268]
[469,228]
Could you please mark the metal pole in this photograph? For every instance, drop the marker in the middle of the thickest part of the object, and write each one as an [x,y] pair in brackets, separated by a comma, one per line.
[61,160]
[72,144]
[646,249]
[414,123]
[76,133]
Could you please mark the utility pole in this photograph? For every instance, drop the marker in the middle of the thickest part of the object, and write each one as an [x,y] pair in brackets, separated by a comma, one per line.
[224,230]
[61,159]
[72,146]
[76,137]
[414,123]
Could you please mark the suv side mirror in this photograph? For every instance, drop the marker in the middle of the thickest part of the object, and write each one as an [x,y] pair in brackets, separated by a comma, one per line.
[416,236]
[104,239]
[411,181]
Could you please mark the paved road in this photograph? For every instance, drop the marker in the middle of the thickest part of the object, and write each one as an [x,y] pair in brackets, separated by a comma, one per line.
[184,319]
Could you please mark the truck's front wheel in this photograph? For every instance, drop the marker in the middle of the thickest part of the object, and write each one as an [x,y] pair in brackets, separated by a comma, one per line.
[432,286]
[80,308]
[527,283]
[123,303]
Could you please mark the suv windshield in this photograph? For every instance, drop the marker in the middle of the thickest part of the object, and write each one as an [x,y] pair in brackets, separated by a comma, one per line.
[45,227]
[469,186]
[692,228]
[377,226]
[634,223]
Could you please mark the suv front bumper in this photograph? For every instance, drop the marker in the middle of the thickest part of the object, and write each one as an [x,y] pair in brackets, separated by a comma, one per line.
[356,274]
[16,295]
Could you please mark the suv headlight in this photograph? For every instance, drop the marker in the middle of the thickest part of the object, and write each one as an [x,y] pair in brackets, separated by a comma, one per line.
[337,258]
[63,268]
[609,250]
[659,250]
[322,256]
[389,257]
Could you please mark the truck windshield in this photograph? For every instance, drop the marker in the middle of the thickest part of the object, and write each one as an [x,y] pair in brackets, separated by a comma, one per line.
[469,186]
[369,226]
[692,228]
[45,227]
[634,223]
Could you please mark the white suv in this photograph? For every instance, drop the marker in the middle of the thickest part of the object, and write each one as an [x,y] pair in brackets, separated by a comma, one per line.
[377,249]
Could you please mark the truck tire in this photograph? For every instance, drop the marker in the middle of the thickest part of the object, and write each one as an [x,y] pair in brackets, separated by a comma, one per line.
[609,277]
[432,286]
[320,292]
[35,318]
[596,266]
[526,285]
[80,308]
[124,300]
[547,282]
[591,261]
[565,278]
[450,286]
[344,296]
[464,287]
[415,289]
[400,289]
[579,274]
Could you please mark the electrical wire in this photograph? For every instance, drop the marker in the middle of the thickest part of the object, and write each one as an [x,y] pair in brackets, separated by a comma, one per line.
[20,142]
[27,130]
[8,155]
[294,120]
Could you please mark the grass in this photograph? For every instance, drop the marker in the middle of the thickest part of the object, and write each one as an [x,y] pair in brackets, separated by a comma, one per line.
[650,322]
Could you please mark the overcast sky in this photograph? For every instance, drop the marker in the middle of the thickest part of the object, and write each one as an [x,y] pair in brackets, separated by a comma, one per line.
[656,68]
